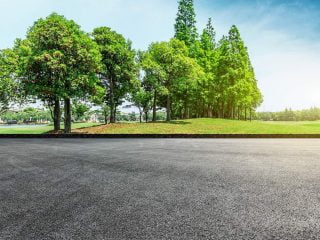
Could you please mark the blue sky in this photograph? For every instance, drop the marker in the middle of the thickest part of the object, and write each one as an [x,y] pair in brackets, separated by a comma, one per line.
[282,36]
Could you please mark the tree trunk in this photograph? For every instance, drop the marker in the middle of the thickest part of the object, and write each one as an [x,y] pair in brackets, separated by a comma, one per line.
[245,114]
[112,104]
[57,115]
[146,113]
[112,120]
[203,109]
[105,117]
[154,113]
[67,115]
[185,109]
[115,114]
[222,110]
[168,108]
[140,117]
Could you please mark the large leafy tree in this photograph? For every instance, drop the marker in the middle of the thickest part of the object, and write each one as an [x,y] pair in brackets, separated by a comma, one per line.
[8,84]
[185,26]
[153,76]
[119,71]
[177,71]
[142,99]
[58,62]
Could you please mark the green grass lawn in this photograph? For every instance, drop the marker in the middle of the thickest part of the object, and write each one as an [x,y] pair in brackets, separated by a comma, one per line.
[193,126]
[40,129]
[208,126]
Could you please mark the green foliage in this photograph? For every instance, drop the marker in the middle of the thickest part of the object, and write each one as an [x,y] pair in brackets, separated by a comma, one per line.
[118,71]
[190,76]
[202,79]
[312,114]
[185,26]
[58,60]
[27,115]
[142,99]
[168,63]
[79,110]
[8,84]
[236,82]
[208,37]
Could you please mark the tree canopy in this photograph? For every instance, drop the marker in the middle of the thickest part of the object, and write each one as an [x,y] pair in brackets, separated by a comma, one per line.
[58,61]
[191,75]
[175,71]
[185,26]
[8,86]
[118,71]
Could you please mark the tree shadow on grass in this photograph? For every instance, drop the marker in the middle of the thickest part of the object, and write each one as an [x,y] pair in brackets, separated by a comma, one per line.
[174,122]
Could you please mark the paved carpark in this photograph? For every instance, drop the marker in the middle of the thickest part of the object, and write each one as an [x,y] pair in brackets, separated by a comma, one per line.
[159,189]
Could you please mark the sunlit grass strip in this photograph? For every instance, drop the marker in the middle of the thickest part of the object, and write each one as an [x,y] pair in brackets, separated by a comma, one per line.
[207,126]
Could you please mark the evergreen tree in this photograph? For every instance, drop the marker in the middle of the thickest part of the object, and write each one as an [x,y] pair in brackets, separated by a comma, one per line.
[204,51]
[185,26]
[208,37]
[237,85]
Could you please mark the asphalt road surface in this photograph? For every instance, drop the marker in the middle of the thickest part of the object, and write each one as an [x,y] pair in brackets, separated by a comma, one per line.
[159,189]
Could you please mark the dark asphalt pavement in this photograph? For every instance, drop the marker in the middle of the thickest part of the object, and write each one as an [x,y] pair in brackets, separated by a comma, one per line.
[159,189]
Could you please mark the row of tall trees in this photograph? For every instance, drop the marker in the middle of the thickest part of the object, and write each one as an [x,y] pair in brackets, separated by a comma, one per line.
[190,75]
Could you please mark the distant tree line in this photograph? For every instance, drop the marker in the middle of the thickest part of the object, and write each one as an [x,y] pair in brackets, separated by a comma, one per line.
[312,114]
[80,113]
[190,76]
[27,115]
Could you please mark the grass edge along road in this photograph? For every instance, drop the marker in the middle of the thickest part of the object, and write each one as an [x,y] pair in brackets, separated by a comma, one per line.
[207,126]
[191,126]
[40,129]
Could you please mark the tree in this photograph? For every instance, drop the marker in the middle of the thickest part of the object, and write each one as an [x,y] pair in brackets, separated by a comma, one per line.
[27,115]
[185,26]
[153,77]
[118,72]
[237,85]
[105,110]
[208,37]
[142,99]
[204,51]
[58,62]
[178,71]
[79,110]
[8,83]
